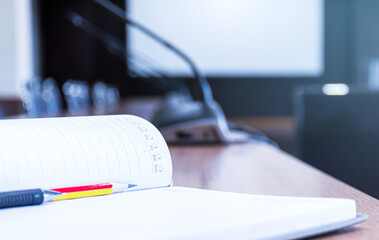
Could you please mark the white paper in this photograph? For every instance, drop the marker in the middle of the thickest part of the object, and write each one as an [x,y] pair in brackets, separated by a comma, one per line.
[61,152]
[173,213]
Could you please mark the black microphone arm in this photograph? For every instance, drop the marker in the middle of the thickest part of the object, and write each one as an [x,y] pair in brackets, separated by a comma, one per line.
[117,47]
[120,13]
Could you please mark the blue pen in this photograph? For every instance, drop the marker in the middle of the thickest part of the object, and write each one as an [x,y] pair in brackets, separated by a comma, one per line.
[27,197]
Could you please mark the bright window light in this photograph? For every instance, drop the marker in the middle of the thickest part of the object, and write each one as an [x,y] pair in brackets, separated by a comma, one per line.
[335,89]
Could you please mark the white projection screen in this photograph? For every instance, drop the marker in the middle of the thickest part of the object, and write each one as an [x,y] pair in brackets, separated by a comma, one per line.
[231,37]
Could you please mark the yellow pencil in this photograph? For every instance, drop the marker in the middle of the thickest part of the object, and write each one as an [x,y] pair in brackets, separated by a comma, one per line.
[91,190]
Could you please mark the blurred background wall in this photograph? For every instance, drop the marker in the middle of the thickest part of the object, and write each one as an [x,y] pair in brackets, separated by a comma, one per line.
[333,127]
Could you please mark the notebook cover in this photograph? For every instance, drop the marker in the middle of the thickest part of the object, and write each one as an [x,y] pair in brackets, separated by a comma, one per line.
[322,229]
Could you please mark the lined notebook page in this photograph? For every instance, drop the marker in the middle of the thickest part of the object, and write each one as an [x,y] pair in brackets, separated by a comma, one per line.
[57,152]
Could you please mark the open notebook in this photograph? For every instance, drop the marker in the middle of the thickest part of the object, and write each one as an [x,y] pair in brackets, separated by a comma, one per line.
[61,152]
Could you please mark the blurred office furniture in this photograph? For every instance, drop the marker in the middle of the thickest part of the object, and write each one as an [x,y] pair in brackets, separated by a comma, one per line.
[32,98]
[52,96]
[99,93]
[105,97]
[77,96]
[69,52]
[42,98]
[338,132]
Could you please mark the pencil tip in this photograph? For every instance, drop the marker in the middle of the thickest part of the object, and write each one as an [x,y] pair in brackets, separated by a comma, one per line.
[51,195]
[117,187]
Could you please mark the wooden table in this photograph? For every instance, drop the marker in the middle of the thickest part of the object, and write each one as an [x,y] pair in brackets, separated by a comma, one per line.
[256,168]
[261,169]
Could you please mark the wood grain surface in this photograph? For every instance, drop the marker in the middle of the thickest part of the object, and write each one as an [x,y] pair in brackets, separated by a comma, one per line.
[258,168]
